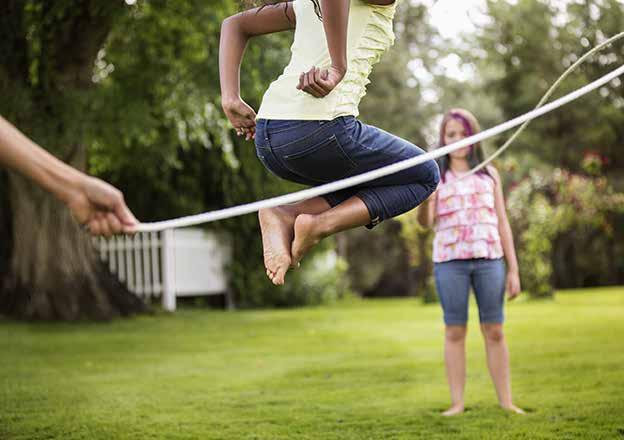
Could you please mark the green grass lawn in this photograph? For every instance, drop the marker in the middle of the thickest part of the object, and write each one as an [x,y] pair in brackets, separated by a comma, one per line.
[357,370]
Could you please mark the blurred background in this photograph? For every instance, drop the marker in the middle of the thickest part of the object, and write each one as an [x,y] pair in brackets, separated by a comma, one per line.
[130,93]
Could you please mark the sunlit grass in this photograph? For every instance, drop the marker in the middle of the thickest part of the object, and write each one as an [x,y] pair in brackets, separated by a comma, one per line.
[358,370]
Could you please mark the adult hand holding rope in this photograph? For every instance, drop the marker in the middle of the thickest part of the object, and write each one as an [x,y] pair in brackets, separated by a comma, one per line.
[98,206]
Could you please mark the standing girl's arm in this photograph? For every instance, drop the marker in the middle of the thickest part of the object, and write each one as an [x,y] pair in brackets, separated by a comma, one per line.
[235,33]
[504,229]
[427,211]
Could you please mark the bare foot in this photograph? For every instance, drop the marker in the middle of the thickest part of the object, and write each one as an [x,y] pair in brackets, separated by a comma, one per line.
[306,236]
[513,408]
[454,410]
[276,225]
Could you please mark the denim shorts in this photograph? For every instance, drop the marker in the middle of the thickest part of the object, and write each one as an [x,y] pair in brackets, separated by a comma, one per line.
[317,152]
[486,277]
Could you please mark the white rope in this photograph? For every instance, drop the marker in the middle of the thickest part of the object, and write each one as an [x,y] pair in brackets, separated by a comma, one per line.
[550,91]
[381,172]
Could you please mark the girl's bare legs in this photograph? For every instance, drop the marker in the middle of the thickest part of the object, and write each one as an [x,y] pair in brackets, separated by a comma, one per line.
[455,360]
[277,227]
[289,231]
[498,364]
[311,228]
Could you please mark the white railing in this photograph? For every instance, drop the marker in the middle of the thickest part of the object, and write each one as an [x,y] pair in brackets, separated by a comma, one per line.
[169,264]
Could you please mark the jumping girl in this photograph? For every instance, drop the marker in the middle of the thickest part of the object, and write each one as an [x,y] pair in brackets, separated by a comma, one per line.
[472,237]
[307,130]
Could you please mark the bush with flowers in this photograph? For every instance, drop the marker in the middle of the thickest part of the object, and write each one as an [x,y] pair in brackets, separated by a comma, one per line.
[544,206]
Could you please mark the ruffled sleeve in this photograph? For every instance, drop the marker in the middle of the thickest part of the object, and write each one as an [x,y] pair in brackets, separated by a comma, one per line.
[377,37]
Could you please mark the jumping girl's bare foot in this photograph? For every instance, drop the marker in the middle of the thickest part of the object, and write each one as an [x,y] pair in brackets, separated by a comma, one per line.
[454,410]
[306,236]
[276,225]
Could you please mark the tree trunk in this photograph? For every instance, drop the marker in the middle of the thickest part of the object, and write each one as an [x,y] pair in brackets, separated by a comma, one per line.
[53,271]
[5,225]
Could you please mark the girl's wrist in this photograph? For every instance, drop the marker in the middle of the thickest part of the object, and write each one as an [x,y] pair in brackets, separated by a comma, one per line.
[228,99]
[64,182]
[340,67]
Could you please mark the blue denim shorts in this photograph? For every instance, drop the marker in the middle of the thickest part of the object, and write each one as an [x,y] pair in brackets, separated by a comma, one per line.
[317,152]
[486,277]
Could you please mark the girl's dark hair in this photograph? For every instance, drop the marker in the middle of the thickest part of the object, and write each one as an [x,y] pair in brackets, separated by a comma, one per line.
[251,3]
[471,127]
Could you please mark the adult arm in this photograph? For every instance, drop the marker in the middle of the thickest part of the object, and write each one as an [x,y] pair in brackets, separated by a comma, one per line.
[92,201]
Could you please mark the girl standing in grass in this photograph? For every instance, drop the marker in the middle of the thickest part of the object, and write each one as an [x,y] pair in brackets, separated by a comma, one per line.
[472,235]
[307,130]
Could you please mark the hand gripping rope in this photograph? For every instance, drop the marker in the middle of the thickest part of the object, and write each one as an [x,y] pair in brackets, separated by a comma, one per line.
[399,166]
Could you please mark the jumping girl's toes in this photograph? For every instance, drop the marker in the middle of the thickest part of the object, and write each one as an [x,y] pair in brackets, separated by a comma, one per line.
[277,274]
[278,279]
[278,266]
[276,225]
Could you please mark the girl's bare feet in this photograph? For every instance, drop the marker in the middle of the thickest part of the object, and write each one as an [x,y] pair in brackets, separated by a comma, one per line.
[513,408]
[454,410]
[306,236]
[276,225]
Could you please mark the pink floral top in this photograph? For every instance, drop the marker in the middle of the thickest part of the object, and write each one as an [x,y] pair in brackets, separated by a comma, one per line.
[466,221]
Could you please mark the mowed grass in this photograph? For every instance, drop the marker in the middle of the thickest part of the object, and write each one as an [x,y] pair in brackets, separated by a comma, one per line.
[356,370]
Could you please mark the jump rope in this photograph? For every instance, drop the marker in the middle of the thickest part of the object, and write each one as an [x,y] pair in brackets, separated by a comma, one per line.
[522,121]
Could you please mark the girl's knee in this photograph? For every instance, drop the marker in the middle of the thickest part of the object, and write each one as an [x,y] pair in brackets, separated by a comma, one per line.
[493,332]
[455,333]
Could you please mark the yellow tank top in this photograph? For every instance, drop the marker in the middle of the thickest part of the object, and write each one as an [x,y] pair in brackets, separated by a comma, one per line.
[370,34]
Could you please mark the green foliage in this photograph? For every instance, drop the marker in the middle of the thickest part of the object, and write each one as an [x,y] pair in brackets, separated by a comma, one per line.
[526,46]
[419,242]
[544,207]
[378,260]
[394,97]
[324,278]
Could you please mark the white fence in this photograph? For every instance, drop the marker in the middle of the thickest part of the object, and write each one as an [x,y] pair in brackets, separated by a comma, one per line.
[169,264]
